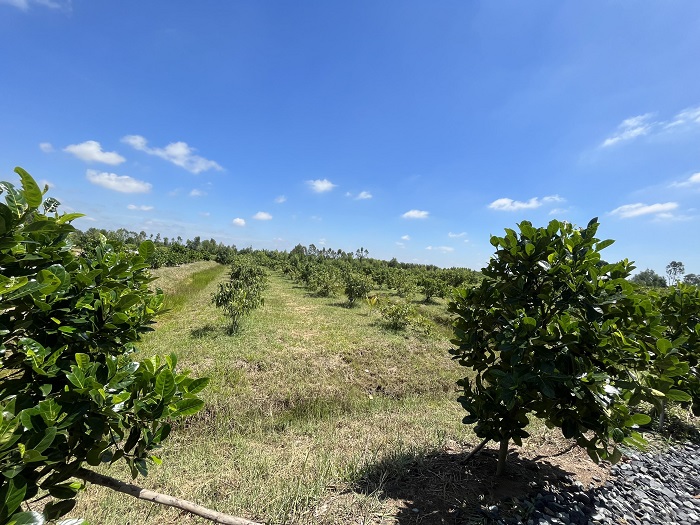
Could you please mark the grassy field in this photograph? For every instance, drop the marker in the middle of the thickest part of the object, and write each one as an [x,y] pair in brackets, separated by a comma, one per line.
[316,413]
[309,408]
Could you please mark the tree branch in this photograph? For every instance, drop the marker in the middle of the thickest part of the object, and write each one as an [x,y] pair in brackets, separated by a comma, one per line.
[162,499]
[476,450]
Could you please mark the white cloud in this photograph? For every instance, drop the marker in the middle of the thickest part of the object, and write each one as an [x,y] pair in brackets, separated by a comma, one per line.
[262,216]
[91,151]
[321,185]
[631,128]
[46,147]
[280,199]
[400,244]
[405,237]
[416,214]
[120,183]
[685,117]
[197,193]
[506,204]
[141,208]
[693,180]
[443,249]
[51,4]
[456,235]
[238,221]
[559,211]
[642,125]
[635,210]
[363,195]
[553,198]
[204,213]
[178,153]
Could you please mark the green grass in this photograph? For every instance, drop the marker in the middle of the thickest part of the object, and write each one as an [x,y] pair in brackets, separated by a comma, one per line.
[301,403]
[314,413]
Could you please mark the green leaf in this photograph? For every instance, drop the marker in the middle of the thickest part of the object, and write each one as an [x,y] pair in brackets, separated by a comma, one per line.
[637,419]
[49,436]
[147,249]
[67,217]
[27,518]
[185,407]
[83,360]
[663,346]
[30,188]
[165,384]
[16,489]
[678,395]
[197,385]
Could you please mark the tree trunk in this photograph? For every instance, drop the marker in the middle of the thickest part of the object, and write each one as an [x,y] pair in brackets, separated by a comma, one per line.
[662,414]
[502,456]
[162,499]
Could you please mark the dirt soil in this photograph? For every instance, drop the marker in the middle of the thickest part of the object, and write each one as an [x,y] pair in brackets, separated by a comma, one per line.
[443,488]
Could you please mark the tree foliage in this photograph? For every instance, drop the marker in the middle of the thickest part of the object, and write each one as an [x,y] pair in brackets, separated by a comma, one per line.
[243,292]
[357,286]
[674,272]
[649,278]
[555,332]
[71,393]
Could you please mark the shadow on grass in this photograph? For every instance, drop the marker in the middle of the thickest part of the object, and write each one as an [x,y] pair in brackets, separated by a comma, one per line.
[208,330]
[443,488]
[682,430]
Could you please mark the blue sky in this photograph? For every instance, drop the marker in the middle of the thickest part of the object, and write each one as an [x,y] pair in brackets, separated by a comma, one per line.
[413,129]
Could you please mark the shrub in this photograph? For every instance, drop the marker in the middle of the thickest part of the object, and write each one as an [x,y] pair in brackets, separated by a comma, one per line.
[243,292]
[357,286]
[396,315]
[71,394]
[555,332]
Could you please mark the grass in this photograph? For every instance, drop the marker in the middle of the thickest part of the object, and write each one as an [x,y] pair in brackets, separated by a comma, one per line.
[307,398]
[316,413]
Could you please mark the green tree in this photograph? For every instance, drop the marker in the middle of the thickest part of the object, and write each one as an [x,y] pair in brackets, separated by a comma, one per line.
[555,332]
[71,392]
[674,272]
[692,279]
[357,286]
[243,292]
[649,278]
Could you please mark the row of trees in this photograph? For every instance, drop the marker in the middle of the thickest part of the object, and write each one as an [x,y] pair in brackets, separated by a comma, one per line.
[555,332]
[675,271]
[167,252]
[357,275]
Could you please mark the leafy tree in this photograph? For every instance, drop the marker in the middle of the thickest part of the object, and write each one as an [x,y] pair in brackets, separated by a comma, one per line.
[357,286]
[431,286]
[397,315]
[325,280]
[555,332]
[649,278]
[71,392]
[674,272]
[243,292]
[692,279]
[678,353]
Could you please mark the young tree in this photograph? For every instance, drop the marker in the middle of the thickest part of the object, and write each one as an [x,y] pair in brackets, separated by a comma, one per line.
[357,286]
[72,394]
[555,332]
